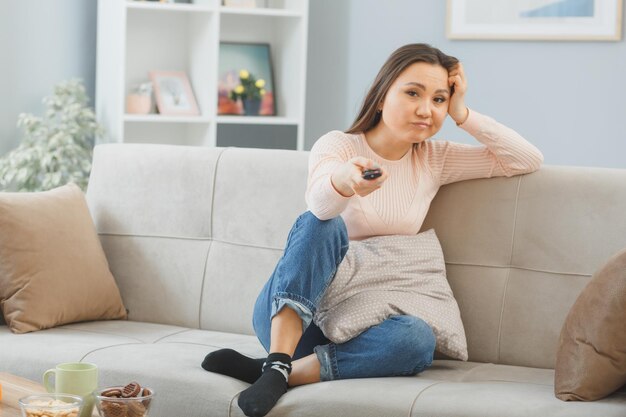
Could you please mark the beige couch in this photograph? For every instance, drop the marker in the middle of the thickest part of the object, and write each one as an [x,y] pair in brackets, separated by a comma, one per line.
[191,235]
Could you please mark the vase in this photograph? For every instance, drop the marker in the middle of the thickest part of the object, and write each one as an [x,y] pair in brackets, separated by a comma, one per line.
[138,104]
[251,106]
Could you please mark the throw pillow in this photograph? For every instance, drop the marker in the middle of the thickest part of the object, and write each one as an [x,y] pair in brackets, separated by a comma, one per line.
[384,276]
[591,359]
[53,270]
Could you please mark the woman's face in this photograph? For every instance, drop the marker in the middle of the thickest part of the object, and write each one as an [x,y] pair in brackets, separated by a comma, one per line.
[416,104]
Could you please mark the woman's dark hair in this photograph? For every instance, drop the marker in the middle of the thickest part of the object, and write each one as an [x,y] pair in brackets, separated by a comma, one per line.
[397,62]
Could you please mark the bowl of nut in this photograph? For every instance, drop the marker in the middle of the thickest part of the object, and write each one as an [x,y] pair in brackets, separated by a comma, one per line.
[52,405]
[130,400]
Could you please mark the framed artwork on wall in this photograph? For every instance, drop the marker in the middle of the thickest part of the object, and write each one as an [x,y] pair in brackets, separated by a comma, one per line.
[573,20]
[173,93]
[246,80]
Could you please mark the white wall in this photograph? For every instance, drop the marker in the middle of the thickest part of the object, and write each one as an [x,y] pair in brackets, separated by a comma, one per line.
[327,70]
[42,42]
[568,98]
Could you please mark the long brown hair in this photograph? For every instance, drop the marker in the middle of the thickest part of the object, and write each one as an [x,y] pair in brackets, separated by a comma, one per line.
[397,62]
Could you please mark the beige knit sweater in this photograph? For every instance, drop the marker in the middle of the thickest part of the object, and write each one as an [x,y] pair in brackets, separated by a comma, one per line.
[401,204]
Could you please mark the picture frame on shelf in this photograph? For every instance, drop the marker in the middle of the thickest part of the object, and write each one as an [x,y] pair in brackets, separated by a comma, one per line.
[246,80]
[173,93]
[571,20]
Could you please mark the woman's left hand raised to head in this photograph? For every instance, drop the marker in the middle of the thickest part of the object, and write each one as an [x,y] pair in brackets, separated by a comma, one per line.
[457,109]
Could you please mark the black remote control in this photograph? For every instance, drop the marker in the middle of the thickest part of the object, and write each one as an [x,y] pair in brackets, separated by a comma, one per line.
[370,174]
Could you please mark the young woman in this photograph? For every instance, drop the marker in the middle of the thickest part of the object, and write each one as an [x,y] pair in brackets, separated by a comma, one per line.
[406,106]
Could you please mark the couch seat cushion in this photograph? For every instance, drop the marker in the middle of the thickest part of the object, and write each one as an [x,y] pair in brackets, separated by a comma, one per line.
[489,390]
[30,354]
[507,399]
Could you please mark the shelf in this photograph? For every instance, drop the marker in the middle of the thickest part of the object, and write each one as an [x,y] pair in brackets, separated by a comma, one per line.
[175,7]
[157,118]
[137,37]
[260,12]
[242,120]
[256,120]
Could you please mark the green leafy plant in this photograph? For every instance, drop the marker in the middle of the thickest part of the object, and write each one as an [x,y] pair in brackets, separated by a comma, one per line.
[249,87]
[56,148]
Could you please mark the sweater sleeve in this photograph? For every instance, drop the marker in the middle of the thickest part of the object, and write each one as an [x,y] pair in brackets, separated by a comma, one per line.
[504,153]
[330,151]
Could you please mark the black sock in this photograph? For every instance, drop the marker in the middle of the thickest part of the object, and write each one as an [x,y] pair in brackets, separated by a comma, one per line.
[261,397]
[232,363]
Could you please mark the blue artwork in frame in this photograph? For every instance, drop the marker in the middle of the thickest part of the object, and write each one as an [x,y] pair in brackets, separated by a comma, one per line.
[573,20]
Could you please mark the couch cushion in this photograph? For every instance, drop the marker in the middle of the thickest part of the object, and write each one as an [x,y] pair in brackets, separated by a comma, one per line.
[166,358]
[259,194]
[73,342]
[25,354]
[155,228]
[534,307]
[499,398]
[384,276]
[167,190]
[53,270]
[160,277]
[236,272]
[591,359]
[173,370]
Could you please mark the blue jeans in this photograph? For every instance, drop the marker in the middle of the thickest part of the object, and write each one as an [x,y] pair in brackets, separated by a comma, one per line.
[400,345]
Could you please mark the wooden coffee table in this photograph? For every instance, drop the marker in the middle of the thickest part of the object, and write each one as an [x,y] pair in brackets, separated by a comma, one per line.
[14,388]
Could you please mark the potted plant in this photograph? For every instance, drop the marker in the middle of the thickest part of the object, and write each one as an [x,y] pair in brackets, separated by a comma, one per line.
[250,91]
[56,148]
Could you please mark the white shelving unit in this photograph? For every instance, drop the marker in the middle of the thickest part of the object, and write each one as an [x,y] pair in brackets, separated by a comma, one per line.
[135,37]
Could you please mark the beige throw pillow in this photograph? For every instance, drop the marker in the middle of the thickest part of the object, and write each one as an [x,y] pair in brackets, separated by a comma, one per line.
[591,356]
[53,270]
[393,275]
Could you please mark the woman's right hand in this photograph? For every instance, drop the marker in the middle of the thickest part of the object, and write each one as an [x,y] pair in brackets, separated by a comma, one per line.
[348,180]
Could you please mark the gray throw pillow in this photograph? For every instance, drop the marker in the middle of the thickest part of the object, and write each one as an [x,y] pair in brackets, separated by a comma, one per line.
[393,275]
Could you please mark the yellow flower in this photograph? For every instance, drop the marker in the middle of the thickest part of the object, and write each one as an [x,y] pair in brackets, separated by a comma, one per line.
[244,74]
[260,83]
[262,92]
[239,89]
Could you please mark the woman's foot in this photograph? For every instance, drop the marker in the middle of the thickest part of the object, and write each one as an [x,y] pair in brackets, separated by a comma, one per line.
[260,398]
[231,363]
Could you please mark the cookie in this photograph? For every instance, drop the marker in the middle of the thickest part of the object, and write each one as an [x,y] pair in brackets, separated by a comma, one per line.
[113,409]
[131,390]
[112,392]
[136,409]
[146,392]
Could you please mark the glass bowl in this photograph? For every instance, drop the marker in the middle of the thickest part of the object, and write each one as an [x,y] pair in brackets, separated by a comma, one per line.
[124,407]
[52,405]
